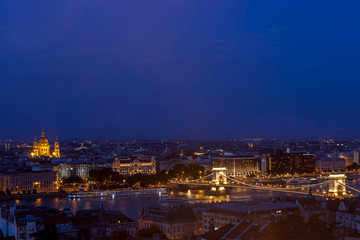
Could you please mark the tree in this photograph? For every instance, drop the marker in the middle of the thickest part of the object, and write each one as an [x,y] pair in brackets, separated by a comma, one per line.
[116,177]
[34,191]
[28,191]
[192,171]
[163,177]
[100,176]
[133,179]
[353,166]
[8,192]
[73,179]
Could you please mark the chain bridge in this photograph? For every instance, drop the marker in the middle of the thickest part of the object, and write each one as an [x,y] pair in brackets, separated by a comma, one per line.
[335,185]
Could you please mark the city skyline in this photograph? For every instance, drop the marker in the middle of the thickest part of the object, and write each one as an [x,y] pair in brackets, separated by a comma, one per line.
[298,138]
[175,70]
[204,119]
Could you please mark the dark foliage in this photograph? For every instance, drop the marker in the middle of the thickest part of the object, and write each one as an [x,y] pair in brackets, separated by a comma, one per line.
[101,176]
[50,232]
[73,179]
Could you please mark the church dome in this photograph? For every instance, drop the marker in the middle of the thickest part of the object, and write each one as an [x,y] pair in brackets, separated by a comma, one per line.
[43,139]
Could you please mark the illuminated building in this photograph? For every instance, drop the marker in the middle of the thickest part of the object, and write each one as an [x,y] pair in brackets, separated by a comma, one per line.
[134,165]
[291,163]
[237,165]
[56,152]
[42,148]
[17,181]
[78,169]
[330,164]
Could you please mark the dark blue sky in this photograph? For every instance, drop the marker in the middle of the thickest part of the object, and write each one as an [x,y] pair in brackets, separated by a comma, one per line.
[199,69]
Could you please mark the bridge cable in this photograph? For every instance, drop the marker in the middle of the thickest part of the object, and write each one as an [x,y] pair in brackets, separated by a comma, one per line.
[199,178]
[263,187]
[349,186]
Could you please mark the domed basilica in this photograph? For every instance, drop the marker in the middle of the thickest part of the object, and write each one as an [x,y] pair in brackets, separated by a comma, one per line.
[42,148]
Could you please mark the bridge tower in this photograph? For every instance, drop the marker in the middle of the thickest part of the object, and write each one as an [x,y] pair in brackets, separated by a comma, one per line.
[337,184]
[218,175]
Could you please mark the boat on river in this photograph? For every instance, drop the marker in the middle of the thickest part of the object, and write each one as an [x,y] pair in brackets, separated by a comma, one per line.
[239,198]
[302,181]
[120,192]
[173,198]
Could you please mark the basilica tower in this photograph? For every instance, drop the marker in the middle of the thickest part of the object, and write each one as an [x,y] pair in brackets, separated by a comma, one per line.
[56,152]
[35,152]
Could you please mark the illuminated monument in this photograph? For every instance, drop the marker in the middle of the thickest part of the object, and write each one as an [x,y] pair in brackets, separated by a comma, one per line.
[42,148]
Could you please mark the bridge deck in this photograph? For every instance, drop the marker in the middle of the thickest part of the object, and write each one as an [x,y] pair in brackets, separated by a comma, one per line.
[252,188]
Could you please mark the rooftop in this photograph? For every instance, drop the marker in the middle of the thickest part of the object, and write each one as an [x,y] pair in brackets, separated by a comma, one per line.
[238,207]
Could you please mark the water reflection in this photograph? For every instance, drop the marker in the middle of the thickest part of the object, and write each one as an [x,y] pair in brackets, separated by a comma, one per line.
[131,205]
[38,202]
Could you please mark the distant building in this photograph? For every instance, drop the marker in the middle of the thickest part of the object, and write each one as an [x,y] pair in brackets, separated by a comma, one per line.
[330,164]
[291,163]
[24,180]
[164,164]
[348,156]
[62,222]
[244,229]
[293,227]
[356,156]
[263,164]
[42,148]
[103,224]
[237,165]
[348,214]
[23,222]
[82,170]
[134,165]
[174,222]
[235,212]
[20,222]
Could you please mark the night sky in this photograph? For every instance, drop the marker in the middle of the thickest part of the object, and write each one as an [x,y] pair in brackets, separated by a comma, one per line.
[170,69]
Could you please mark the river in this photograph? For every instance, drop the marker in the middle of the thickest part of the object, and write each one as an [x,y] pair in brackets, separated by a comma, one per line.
[131,205]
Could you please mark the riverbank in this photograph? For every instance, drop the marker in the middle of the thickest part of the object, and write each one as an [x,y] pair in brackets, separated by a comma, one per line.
[32,196]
